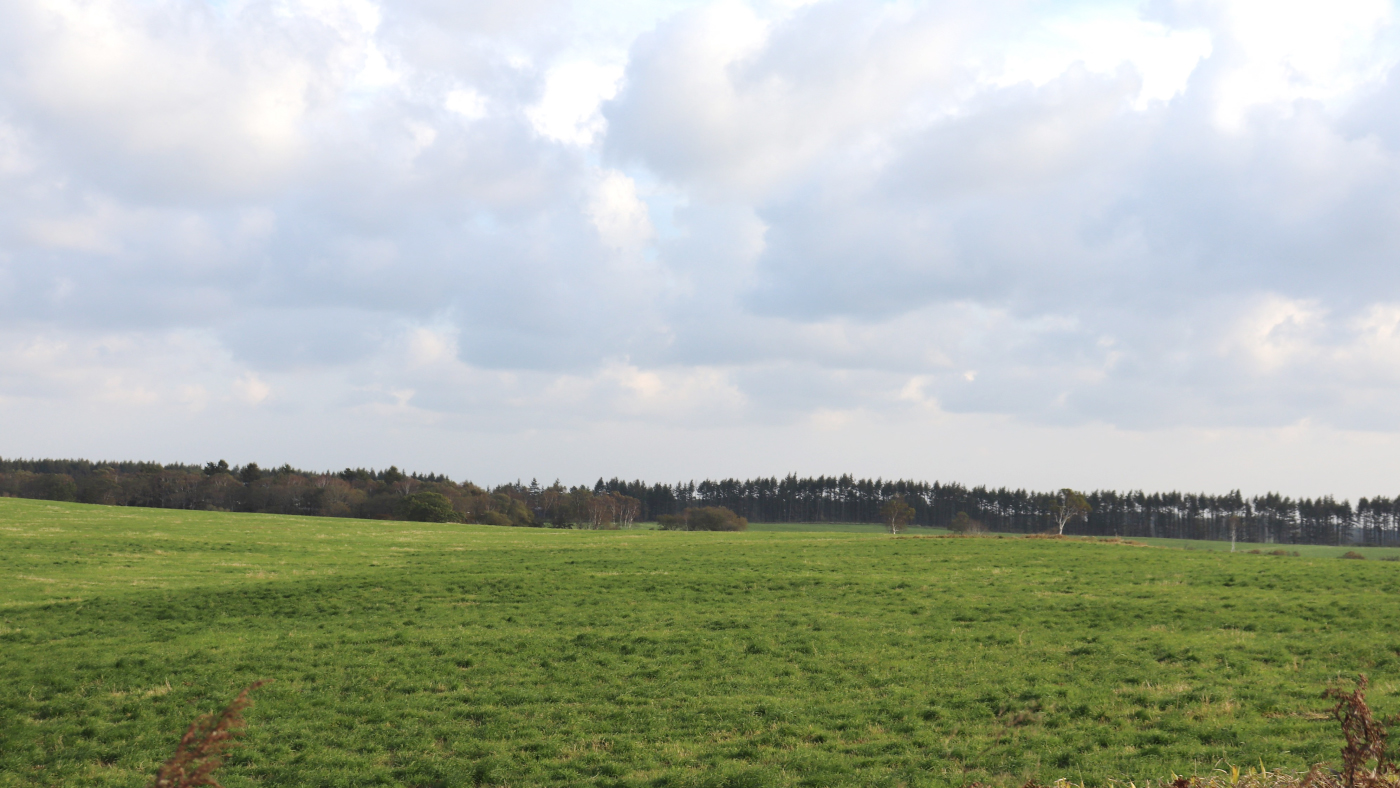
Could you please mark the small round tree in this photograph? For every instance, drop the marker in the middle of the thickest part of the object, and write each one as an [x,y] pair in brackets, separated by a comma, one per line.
[962,524]
[428,507]
[704,518]
[714,518]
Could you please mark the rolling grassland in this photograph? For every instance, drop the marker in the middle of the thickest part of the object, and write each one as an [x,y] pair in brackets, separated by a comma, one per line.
[450,655]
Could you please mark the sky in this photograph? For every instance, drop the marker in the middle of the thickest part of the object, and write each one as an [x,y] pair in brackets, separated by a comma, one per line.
[1034,244]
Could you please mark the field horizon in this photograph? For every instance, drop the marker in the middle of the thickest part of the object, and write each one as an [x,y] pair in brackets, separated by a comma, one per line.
[425,654]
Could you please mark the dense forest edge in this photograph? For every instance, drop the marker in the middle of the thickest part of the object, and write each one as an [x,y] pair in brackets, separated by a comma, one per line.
[393,494]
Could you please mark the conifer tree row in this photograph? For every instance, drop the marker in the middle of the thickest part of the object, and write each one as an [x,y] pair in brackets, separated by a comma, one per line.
[391,493]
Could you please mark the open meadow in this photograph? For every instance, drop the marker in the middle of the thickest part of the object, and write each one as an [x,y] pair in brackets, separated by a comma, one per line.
[450,655]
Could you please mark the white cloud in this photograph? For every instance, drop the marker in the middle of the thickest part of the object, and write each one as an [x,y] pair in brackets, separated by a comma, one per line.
[467,103]
[426,346]
[674,393]
[195,397]
[621,218]
[76,233]
[251,389]
[1277,332]
[14,156]
[1164,58]
[1296,49]
[104,83]
[573,92]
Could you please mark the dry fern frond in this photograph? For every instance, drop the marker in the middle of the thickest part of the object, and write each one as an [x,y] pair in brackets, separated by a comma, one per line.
[1365,740]
[202,748]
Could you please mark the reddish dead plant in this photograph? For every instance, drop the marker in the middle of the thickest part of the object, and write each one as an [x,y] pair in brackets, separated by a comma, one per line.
[1365,741]
[201,749]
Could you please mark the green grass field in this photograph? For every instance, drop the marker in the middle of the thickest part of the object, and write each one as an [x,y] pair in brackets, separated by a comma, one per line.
[838,528]
[1310,551]
[445,655]
[1305,550]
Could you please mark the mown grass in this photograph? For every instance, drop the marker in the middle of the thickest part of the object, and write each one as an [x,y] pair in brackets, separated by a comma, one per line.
[444,655]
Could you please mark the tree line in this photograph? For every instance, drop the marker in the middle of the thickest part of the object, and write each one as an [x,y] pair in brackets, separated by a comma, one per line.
[353,492]
[394,494]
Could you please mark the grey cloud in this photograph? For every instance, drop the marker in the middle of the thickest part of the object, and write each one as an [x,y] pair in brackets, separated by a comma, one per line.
[859,220]
[361,219]
[1063,202]
[1377,113]
[305,336]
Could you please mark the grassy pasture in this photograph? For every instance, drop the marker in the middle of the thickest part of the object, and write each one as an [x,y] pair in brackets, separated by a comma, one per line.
[1305,550]
[838,528]
[442,655]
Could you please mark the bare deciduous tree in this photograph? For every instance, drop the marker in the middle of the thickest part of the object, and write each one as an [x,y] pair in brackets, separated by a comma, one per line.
[626,508]
[600,511]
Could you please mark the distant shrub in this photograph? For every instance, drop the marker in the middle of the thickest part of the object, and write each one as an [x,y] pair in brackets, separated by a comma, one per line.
[50,486]
[716,518]
[505,510]
[493,518]
[1353,555]
[962,524]
[704,518]
[427,507]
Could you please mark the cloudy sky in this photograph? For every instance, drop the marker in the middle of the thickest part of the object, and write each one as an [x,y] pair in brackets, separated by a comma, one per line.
[1036,244]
